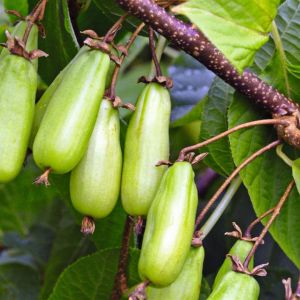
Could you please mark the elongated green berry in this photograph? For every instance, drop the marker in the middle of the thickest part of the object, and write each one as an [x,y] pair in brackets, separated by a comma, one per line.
[71,114]
[188,283]
[236,286]
[240,249]
[18,86]
[95,181]
[169,227]
[147,142]
[41,106]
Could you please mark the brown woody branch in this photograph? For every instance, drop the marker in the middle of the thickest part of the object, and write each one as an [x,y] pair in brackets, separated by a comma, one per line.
[192,41]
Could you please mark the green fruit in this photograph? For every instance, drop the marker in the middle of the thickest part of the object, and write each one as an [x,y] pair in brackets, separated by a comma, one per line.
[170,226]
[32,42]
[187,284]
[17,96]
[41,106]
[236,286]
[95,181]
[146,143]
[71,114]
[240,249]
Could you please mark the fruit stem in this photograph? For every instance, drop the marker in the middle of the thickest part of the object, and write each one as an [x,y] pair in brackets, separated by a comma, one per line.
[36,15]
[120,285]
[185,150]
[118,67]
[256,221]
[274,215]
[218,211]
[114,29]
[216,195]
[159,50]
[153,53]
[44,178]
[88,225]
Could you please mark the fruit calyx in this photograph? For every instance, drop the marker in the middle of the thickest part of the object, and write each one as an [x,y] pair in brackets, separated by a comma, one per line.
[88,226]
[237,233]
[289,295]
[17,47]
[237,266]
[164,81]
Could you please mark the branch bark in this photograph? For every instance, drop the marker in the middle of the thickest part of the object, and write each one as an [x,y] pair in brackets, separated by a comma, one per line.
[192,41]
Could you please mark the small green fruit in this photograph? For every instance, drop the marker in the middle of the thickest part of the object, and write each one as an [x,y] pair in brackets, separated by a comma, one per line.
[187,284]
[146,143]
[170,226]
[95,181]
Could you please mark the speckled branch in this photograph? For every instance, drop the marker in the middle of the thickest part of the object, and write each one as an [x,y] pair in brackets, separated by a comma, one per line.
[192,41]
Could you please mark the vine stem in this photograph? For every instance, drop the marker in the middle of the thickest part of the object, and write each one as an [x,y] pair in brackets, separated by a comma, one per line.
[120,285]
[231,177]
[191,40]
[153,53]
[256,221]
[183,152]
[217,213]
[118,67]
[274,215]
[36,16]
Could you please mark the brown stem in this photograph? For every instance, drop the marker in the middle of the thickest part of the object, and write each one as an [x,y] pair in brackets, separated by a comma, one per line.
[256,221]
[274,215]
[120,285]
[115,28]
[153,53]
[36,16]
[183,152]
[118,67]
[229,179]
[191,40]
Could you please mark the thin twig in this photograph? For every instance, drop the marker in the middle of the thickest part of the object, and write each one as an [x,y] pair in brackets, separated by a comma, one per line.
[118,67]
[113,30]
[153,53]
[227,132]
[256,221]
[230,178]
[36,16]
[274,215]
[120,285]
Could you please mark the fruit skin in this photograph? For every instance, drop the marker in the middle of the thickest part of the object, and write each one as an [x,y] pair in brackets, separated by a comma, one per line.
[236,286]
[146,143]
[240,249]
[71,114]
[41,106]
[95,181]
[17,96]
[187,285]
[170,226]
[32,41]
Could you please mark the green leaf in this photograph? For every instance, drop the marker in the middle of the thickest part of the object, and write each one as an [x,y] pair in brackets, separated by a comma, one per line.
[278,60]
[238,28]
[19,5]
[18,282]
[267,177]
[22,203]
[92,277]
[60,42]
[214,121]
[114,224]
[68,246]
[296,173]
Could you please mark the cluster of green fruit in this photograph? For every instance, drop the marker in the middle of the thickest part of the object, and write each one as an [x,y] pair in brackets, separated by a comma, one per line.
[73,129]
